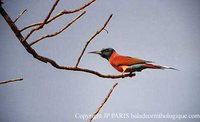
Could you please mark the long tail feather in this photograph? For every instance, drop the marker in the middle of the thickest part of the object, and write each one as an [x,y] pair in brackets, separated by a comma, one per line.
[166,67]
[153,66]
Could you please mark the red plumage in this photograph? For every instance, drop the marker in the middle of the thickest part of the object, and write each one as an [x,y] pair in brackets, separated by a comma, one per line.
[123,63]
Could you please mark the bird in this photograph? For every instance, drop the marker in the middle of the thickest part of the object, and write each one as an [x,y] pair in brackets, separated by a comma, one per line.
[127,64]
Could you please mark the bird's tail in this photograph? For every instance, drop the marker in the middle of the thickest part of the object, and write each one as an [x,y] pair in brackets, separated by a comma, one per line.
[153,66]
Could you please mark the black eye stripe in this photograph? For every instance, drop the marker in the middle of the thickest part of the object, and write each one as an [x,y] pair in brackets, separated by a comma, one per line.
[107,50]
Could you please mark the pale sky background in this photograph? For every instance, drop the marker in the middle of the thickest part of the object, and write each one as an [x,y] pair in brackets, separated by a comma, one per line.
[164,31]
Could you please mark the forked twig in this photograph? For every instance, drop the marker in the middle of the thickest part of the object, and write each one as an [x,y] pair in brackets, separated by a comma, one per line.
[44,22]
[59,14]
[103,102]
[59,31]
[99,31]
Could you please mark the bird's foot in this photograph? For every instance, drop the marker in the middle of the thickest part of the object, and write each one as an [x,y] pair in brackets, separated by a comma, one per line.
[131,74]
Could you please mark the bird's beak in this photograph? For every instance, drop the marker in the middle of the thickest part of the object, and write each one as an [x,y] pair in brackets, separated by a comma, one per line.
[96,52]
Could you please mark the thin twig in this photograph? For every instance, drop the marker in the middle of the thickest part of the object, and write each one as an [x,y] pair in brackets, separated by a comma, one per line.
[20,15]
[99,31]
[106,30]
[59,14]
[59,31]
[44,22]
[12,80]
[103,102]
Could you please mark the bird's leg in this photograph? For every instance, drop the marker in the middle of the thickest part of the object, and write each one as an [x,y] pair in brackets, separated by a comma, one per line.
[124,69]
[131,74]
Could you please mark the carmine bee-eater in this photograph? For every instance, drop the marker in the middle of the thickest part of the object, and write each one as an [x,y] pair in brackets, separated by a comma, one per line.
[126,63]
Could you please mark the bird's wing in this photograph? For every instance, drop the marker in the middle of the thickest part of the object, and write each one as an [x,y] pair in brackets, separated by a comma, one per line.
[127,61]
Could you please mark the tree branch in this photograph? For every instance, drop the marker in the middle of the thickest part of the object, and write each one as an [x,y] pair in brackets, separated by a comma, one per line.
[59,31]
[59,14]
[102,103]
[43,59]
[99,31]
[12,80]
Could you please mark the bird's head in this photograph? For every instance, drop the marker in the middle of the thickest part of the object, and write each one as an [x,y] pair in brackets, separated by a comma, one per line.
[105,52]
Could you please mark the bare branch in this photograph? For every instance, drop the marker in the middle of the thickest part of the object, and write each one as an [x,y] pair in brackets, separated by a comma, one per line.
[20,15]
[12,80]
[43,59]
[59,14]
[44,22]
[99,31]
[49,14]
[59,31]
[103,102]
